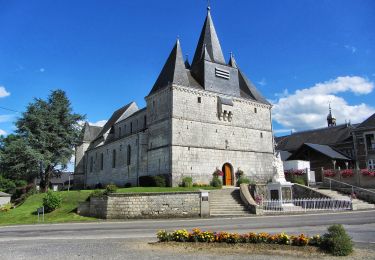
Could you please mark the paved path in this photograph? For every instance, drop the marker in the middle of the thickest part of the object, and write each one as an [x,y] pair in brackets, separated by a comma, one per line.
[113,239]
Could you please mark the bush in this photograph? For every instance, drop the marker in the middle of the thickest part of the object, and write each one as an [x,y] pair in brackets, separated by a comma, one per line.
[160,181]
[216,182]
[243,179]
[128,185]
[7,185]
[110,188]
[337,241]
[51,201]
[187,182]
[299,180]
[96,194]
[153,181]
[6,207]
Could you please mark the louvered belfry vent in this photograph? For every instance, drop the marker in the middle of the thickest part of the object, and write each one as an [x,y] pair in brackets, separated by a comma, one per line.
[222,73]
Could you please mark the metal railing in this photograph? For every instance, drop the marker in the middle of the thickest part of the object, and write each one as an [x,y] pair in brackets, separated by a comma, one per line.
[305,205]
[353,187]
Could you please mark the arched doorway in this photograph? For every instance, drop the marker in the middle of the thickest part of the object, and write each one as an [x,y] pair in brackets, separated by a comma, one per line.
[227,174]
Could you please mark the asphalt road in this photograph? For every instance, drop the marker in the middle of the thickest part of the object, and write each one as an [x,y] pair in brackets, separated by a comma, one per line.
[112,239]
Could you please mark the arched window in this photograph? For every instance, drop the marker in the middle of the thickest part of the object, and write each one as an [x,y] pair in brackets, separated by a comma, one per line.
[114,159]
[129,154]
[101,161]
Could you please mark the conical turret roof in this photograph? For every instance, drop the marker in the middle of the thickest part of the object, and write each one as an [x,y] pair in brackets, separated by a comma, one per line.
[208,38]
[173,71]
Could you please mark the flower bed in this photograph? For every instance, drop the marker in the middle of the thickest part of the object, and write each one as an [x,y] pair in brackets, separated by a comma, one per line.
[233,238]
[366,172]
[295,172]
[329,173]
[347,173]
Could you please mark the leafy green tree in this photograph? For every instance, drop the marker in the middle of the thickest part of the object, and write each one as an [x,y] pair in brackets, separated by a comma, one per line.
[17,159]
[49,130]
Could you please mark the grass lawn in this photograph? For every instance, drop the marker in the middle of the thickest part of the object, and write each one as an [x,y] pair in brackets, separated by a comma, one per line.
[26,213]
[162,189]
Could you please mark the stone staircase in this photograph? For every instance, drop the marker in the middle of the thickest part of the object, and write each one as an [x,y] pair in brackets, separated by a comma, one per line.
[227,202]
[357,203]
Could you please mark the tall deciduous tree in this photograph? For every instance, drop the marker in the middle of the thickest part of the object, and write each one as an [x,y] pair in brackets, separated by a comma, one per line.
[50,130]
[17,159]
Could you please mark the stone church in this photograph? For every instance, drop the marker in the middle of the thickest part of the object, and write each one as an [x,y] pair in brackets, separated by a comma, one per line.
[200,117]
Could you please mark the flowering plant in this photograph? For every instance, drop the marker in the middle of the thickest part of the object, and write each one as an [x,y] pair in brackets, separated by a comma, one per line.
[366,172]
[329,173]
[347,173]
[258,199]
[218,173]
[225,237]
[295,172]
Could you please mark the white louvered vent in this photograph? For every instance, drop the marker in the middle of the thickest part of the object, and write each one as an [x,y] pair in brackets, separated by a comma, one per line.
[222,73]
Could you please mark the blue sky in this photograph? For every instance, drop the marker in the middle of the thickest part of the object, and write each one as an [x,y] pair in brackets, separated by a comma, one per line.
[301,54]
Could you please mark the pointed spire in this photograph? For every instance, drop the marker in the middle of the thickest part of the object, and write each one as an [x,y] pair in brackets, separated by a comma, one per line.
[209,38]
[173,71]
[187,63]
[232,62]
[205,54]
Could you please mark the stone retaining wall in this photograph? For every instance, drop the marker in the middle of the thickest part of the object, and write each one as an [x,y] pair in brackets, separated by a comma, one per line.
[146,205]
[304,192]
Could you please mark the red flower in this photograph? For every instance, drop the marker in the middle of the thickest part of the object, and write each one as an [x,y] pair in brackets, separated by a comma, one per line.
[347,173]
[329,173]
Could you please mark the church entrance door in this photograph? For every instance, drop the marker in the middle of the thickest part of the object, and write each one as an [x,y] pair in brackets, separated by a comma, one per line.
[228,175]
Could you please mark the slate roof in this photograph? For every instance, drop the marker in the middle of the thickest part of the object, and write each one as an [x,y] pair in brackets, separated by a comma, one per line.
[328,151]
[208,39]
[90,132]
[181,72]
[324,136]
[369,122]
[174,70]
[112,120]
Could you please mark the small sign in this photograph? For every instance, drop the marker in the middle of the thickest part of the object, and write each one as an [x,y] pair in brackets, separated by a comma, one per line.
[204,196]
[40,210]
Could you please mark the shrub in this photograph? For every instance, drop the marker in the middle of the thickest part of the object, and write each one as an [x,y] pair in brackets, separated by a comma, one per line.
[110,188]
[243,179]
[187,182]
[298,179]
[7,185]
[128,185]
[337,241]
[51,201]
[160,181]
[153,181]
[6,207]
[96,194]
[216,182]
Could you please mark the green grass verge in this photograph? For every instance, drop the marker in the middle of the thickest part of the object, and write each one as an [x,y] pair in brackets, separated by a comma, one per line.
[26,213]
[162,189]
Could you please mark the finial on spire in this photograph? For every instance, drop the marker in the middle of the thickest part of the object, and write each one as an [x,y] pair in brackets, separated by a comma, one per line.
[208,5]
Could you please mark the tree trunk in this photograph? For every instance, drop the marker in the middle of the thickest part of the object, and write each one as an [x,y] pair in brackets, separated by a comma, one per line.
[47,177]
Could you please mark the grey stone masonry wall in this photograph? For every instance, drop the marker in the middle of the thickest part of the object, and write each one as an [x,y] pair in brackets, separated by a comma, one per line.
[147,205]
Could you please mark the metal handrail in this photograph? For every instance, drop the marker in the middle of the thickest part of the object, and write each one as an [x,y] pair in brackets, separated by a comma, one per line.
[352,186]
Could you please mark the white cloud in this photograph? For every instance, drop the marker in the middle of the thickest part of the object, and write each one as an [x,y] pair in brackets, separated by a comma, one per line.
[3,92]
[307,108]
[263,82]
[283,131]
[6,118]
[98,123]
[2,132]
[351,48]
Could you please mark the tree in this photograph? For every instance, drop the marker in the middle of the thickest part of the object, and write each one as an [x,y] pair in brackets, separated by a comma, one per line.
[49,130]
[18,161]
